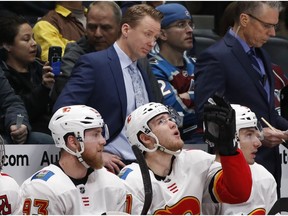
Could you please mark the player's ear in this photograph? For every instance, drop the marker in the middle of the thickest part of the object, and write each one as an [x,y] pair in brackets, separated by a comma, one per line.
[72,143]
[146,140]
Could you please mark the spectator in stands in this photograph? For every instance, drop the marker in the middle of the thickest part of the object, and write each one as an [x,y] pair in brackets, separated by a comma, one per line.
[102,79]
[102,29]
[29,78]
[9,190]
[231,67]
[66,23]
[263,194]
[77,184]
[11,105]
[174,70]
[180,177]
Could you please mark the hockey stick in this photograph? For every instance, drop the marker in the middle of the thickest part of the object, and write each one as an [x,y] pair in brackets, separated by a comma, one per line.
[146,179]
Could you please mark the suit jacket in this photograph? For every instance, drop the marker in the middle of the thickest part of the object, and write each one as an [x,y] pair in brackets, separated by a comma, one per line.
[97,81]
[226,68]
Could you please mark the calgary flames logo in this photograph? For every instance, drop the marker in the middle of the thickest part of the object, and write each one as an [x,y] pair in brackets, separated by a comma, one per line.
[186,206]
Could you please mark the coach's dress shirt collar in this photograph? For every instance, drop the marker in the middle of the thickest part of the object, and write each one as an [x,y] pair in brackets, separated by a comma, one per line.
[125,61]
[242,42]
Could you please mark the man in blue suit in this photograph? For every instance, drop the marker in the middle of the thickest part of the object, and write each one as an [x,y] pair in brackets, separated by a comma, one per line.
[229,69]
[102,80]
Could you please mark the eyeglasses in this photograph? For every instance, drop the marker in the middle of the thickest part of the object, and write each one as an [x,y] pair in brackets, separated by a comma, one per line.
[182,25]
[163,121]
[264,24]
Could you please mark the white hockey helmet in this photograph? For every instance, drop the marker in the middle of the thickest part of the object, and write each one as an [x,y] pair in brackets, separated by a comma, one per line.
[138,120]
[245,118]
[2,153]
[75,119]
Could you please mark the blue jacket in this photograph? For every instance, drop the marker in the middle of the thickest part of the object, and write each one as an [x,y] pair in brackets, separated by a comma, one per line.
[97,81]
[226,68]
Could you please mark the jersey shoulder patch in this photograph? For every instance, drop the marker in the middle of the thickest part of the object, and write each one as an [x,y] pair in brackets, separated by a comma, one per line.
[124,173]
[43,175]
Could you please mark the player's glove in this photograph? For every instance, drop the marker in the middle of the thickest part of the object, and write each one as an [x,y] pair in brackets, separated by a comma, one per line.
[220,126]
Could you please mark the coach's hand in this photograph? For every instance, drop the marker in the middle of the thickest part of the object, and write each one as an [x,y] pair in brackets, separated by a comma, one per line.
[220,126]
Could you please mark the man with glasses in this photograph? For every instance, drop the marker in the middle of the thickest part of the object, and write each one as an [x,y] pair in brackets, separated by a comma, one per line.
[174,70]
[238,68]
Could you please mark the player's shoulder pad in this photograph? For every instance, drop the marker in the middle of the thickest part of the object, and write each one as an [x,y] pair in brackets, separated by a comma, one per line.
[43,175]
[124,173]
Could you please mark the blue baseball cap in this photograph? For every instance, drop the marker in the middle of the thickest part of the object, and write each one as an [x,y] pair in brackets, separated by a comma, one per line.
[173,12]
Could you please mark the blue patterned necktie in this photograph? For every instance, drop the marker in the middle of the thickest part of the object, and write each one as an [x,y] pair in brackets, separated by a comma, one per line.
[136,82]
[252,57]
[262,76]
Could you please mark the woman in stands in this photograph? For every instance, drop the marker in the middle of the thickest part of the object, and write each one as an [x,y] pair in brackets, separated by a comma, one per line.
[30,78]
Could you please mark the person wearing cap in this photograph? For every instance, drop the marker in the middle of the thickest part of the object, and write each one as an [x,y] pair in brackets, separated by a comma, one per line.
[174,70]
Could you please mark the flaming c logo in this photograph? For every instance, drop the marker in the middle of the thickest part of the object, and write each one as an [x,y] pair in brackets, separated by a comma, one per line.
[186,206]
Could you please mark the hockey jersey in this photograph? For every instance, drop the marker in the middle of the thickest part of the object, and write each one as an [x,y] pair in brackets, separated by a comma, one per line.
[262,198]
[174,81]
[9,195]
[51,191]
[181,191]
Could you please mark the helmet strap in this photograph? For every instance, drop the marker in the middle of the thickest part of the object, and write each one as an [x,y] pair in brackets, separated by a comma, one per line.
[159,147]
[78,154]
[163,149]
[80,159]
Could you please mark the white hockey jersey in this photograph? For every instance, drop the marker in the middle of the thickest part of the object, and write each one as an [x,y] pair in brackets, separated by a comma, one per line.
[262,197]
[51,191]
[9,195]
[180,192]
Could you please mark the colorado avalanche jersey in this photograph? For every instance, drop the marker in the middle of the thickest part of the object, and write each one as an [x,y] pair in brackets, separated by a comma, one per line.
[51,191]
[262,197]
[174,81]
[181,191]
[9,195]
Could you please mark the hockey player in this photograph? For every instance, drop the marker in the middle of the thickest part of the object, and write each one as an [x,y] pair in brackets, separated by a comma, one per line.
[9,188]
[178,176]
[263,194]
[77,183]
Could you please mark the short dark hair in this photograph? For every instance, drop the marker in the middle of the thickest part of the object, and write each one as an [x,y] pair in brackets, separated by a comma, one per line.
[10,28]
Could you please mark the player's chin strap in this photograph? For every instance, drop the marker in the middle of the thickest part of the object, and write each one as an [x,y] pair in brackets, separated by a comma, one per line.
[80,159]
[78,154]
[163,149]
[159,147]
